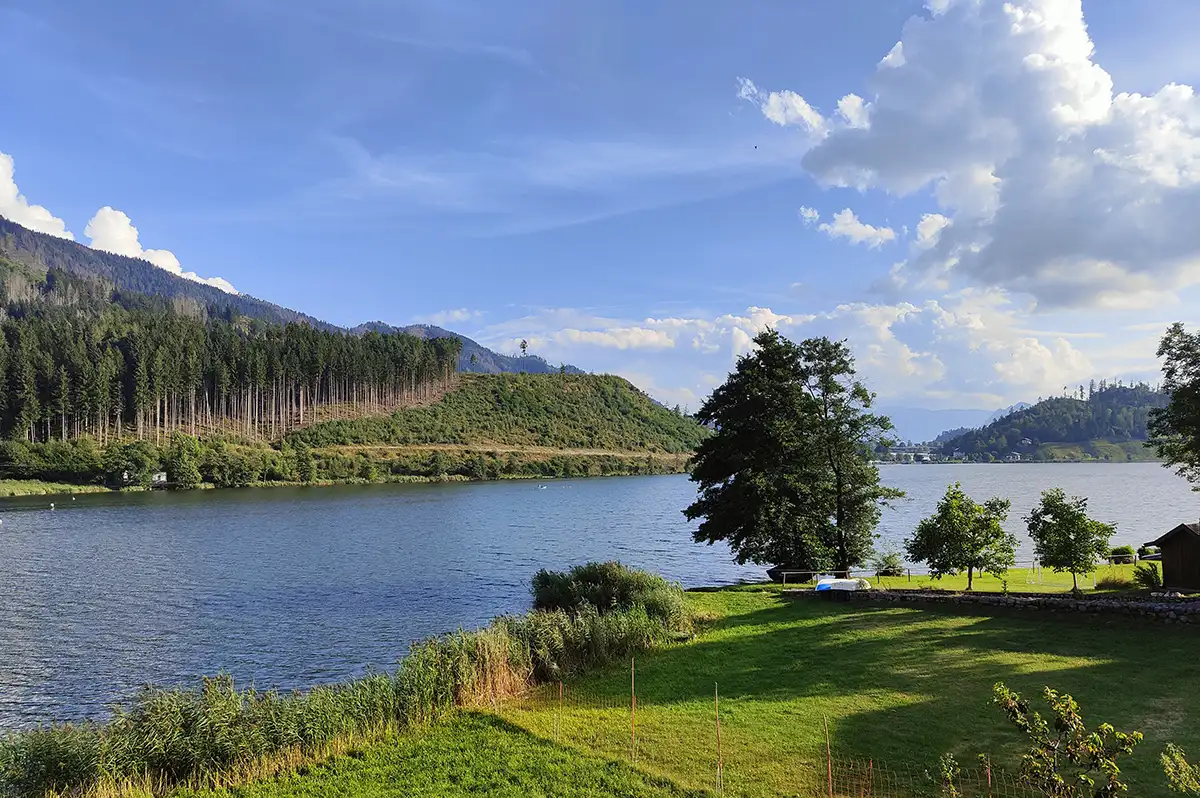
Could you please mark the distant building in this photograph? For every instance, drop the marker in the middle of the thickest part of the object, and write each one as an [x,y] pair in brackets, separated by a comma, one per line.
[158,479]
[1012,457]
[1181,557]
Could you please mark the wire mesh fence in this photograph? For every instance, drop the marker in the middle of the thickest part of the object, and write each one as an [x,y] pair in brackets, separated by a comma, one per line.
[729,745]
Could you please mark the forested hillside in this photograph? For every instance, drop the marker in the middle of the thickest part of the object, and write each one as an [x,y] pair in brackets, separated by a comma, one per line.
[78,358]
[1106,421]
[38,253]
[562,411]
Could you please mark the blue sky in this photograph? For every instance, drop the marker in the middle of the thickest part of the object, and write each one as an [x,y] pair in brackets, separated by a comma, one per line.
[1003,205]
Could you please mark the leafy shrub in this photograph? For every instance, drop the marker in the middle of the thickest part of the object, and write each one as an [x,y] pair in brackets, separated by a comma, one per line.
[1144,551]
[1122,554]
[888,563]
[1064,758]
[1147,576]
[609,587]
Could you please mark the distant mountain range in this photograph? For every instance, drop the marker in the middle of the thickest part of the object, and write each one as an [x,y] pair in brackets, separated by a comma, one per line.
[41,252]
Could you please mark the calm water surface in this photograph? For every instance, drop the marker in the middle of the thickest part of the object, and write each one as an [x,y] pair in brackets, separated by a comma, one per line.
[294,587]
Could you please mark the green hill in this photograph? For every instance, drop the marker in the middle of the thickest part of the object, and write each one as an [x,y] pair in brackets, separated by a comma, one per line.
[1109,424]
[558,411]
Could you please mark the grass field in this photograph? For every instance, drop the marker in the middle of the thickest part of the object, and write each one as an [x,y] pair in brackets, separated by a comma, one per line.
[470,755]
[897,685]
[36,487]
[1019,580]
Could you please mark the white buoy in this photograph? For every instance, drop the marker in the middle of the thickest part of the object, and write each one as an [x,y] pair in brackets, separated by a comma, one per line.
[51,505]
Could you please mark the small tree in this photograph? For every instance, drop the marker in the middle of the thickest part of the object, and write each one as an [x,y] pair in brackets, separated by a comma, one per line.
[183,462]
[306,467]
[964,535]
[524,347]
[1064,537]
[1064,758]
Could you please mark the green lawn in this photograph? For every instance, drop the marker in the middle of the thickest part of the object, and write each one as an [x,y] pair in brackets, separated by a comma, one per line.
[898,685]
[469,755]
[1019,580]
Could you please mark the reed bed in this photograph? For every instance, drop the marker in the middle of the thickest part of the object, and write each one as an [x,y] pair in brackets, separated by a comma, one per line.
[217,735]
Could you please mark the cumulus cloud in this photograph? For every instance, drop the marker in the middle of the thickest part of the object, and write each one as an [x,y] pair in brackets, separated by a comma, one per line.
[1054,183]
[848,226]
[112,230]
[15,208]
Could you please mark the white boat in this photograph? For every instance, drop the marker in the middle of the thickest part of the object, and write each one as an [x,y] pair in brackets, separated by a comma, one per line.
[843,584]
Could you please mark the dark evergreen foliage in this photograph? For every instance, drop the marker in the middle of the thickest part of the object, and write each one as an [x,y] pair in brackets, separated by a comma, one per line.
[82,359]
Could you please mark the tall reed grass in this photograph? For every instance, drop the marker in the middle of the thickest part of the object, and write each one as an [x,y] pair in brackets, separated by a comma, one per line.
[217,735]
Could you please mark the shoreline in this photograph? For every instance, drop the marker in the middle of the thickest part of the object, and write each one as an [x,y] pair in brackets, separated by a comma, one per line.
[13,488]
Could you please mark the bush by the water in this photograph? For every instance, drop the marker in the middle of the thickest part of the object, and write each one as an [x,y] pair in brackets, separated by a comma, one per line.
[217,735]
[611,586]
[888,563]
[1122,554]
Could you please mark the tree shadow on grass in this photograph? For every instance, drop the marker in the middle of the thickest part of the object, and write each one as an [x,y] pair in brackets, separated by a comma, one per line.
[905,684]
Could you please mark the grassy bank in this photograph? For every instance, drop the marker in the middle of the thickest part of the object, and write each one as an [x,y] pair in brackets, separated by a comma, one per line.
[37,487]
[471,754]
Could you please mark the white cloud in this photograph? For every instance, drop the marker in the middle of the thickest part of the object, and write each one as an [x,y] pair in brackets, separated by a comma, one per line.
[112,231]
[1057,185]
[15,208]
[809,216]
[453,316]
[929,229]
[784,108]
[969,348]
[848,226]
[854,111]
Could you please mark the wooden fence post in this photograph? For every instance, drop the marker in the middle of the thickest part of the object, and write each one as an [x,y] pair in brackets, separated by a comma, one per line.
[720,757]
[828,757]
[632,710]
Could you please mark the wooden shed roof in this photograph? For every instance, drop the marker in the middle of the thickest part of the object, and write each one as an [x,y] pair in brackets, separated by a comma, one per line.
[1192,529]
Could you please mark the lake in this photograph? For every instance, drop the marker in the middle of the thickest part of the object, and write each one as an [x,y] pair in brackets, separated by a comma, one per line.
[292,587]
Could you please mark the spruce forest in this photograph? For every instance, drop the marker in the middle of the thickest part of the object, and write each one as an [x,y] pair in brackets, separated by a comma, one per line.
[81,359]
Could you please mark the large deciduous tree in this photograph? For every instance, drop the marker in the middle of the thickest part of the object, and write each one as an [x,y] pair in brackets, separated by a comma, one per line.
[1175,429]
[786,479]
[1064,537]
[963,535]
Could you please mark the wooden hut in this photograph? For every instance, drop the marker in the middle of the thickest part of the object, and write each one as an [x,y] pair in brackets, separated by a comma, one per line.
[1181,557]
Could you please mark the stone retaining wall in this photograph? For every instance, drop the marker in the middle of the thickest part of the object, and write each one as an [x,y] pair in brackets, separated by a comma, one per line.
[1158,608]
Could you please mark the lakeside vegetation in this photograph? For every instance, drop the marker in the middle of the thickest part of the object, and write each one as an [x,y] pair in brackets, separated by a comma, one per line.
[899,686]
[218,735]
[37,487]
[486,427]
